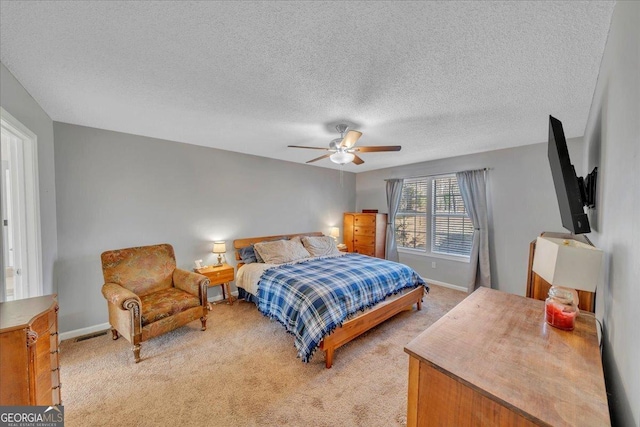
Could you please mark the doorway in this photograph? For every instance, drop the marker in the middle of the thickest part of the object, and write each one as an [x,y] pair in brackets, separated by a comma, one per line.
[20,222]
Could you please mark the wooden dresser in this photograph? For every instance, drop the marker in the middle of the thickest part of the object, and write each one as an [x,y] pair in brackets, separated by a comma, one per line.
[493,361]
[29,362]
[366,233]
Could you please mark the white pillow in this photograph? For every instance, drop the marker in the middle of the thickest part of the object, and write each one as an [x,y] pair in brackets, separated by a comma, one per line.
[320,246]
[281,251]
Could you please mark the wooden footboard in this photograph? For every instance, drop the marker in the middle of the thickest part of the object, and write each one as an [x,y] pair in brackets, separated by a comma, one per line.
[361,324]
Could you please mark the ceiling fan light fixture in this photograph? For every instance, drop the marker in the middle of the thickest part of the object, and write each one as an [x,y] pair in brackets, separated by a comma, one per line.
[341,157]
[343,147]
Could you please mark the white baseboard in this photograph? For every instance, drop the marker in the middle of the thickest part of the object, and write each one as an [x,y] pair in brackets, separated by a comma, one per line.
[83,331]
[219,297]
[104,326]
[446,285]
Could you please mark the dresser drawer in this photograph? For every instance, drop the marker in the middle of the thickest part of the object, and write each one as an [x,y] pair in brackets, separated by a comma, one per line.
[364,240]
[45,354]
[55,357]
[43,323]
[361,230]
[364,220]
[364,250]
[219,277]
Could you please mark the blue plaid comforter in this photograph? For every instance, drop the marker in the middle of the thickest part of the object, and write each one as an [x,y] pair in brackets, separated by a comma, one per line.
[314,297]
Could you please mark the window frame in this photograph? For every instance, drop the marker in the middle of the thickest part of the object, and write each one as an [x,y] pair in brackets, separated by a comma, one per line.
[429,216]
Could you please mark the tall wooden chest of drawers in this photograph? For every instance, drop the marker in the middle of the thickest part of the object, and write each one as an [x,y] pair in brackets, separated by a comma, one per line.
[29,362]
[366,233]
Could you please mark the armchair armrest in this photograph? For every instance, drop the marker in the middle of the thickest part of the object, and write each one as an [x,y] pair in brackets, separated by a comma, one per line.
[194,283]
[119,296]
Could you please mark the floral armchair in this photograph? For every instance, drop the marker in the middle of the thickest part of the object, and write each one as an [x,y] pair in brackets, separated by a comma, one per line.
[148,296]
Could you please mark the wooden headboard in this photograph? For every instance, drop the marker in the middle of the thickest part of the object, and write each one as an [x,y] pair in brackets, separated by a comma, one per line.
[247,241]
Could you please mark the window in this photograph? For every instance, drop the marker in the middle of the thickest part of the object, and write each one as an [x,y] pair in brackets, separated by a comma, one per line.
[432,217]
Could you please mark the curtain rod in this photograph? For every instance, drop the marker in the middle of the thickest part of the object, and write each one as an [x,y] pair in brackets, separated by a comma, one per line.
[438,174]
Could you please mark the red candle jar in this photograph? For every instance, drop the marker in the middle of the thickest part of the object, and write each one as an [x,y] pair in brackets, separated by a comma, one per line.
[560,308]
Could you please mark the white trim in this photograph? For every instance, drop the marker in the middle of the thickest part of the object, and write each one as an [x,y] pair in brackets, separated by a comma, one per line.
[83,331]
[219,297]
[32,200]
[449,257]
[106,326]
[445,285]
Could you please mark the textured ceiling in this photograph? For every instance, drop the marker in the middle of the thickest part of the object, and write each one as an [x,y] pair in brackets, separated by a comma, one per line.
[439,78]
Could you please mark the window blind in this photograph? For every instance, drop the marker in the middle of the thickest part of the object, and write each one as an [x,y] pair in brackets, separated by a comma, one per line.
[411,218]
[451,228]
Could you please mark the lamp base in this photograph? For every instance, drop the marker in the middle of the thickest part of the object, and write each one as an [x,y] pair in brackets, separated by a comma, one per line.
[219,264]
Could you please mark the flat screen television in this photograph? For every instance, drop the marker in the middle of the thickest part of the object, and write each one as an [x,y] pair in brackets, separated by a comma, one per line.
[572,192]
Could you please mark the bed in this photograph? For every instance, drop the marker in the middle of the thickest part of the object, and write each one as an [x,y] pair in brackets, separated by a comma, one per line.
[359,292]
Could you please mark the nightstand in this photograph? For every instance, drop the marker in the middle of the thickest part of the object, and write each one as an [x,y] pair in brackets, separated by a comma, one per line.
[219,276]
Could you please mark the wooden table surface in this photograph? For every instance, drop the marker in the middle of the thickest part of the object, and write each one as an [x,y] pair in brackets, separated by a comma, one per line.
[499,345]
[19,313]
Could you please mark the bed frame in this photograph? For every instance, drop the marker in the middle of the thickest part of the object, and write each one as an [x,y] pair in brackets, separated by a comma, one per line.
[355,326]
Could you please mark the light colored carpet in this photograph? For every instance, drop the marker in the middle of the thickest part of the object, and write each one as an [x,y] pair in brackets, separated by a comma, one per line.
[243,371]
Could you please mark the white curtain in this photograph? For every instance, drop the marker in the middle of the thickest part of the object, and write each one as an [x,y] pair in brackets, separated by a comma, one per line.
[394,193]
[474,194]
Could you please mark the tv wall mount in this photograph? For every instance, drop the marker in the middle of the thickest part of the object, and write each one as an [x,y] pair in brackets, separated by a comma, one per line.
[588,188]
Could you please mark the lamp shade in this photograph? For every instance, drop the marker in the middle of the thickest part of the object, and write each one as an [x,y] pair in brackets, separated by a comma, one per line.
[335,232]
[219,247]
[568,263]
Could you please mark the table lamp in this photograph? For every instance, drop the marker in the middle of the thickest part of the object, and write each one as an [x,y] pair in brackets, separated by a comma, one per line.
[567,265]
[219,248]
[335,233]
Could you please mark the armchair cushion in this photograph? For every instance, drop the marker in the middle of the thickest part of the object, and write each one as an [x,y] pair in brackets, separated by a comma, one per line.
[165,303]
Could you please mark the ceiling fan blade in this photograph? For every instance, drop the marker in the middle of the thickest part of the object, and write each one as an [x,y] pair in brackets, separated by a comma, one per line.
[304,146]
[319,158]
[351,138]
[357,160]
[372,149]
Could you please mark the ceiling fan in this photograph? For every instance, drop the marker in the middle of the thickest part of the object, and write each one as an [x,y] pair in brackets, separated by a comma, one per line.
[343,149]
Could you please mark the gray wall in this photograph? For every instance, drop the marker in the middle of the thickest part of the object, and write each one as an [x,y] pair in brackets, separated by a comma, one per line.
[521,202]
[612,143]
[17,101]
[117,190]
